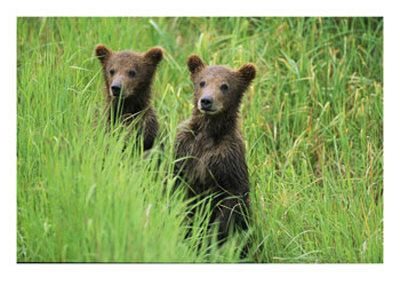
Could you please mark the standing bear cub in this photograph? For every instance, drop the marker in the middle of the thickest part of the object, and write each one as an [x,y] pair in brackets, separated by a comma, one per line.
[128,79]
[210,143]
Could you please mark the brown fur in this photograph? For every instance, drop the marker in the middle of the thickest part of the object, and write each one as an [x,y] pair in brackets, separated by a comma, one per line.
[135,99]
[214,142]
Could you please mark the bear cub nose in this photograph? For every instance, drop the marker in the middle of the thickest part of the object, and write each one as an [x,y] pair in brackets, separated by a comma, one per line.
[116,89]
[206,103]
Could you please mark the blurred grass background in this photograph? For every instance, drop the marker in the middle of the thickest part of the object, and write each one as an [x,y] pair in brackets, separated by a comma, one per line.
[312,123]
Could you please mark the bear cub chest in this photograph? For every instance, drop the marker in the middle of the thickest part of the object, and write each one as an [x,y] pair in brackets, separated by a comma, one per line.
[205,155]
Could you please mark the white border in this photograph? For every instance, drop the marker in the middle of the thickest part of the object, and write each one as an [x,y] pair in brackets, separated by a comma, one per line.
[199,8]
[198,282]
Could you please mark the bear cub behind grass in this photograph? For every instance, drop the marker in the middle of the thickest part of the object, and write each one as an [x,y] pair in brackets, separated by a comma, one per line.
[211,144]
[128,79]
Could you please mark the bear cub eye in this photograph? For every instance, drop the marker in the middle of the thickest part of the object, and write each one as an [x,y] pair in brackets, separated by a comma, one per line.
[132,73]
[224,87]
[112,71]
[202,84]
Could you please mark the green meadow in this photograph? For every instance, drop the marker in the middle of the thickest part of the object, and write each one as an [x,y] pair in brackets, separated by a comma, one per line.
[312,123]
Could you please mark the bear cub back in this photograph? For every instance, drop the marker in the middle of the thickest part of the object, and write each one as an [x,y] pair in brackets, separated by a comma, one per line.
[128,78]
[211,144]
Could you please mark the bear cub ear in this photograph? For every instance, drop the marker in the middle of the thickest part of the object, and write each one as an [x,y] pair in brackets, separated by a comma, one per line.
[195,64]
[154,55]
[102,52]
[247,72]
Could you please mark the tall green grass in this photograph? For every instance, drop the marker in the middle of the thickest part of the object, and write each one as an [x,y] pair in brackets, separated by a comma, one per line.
[312,123]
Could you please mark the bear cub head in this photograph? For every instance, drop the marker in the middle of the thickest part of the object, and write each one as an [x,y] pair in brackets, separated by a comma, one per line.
[218,89]
[126,72]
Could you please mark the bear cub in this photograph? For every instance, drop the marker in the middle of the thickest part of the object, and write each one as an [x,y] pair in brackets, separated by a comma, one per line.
[211,146]
[128,79]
